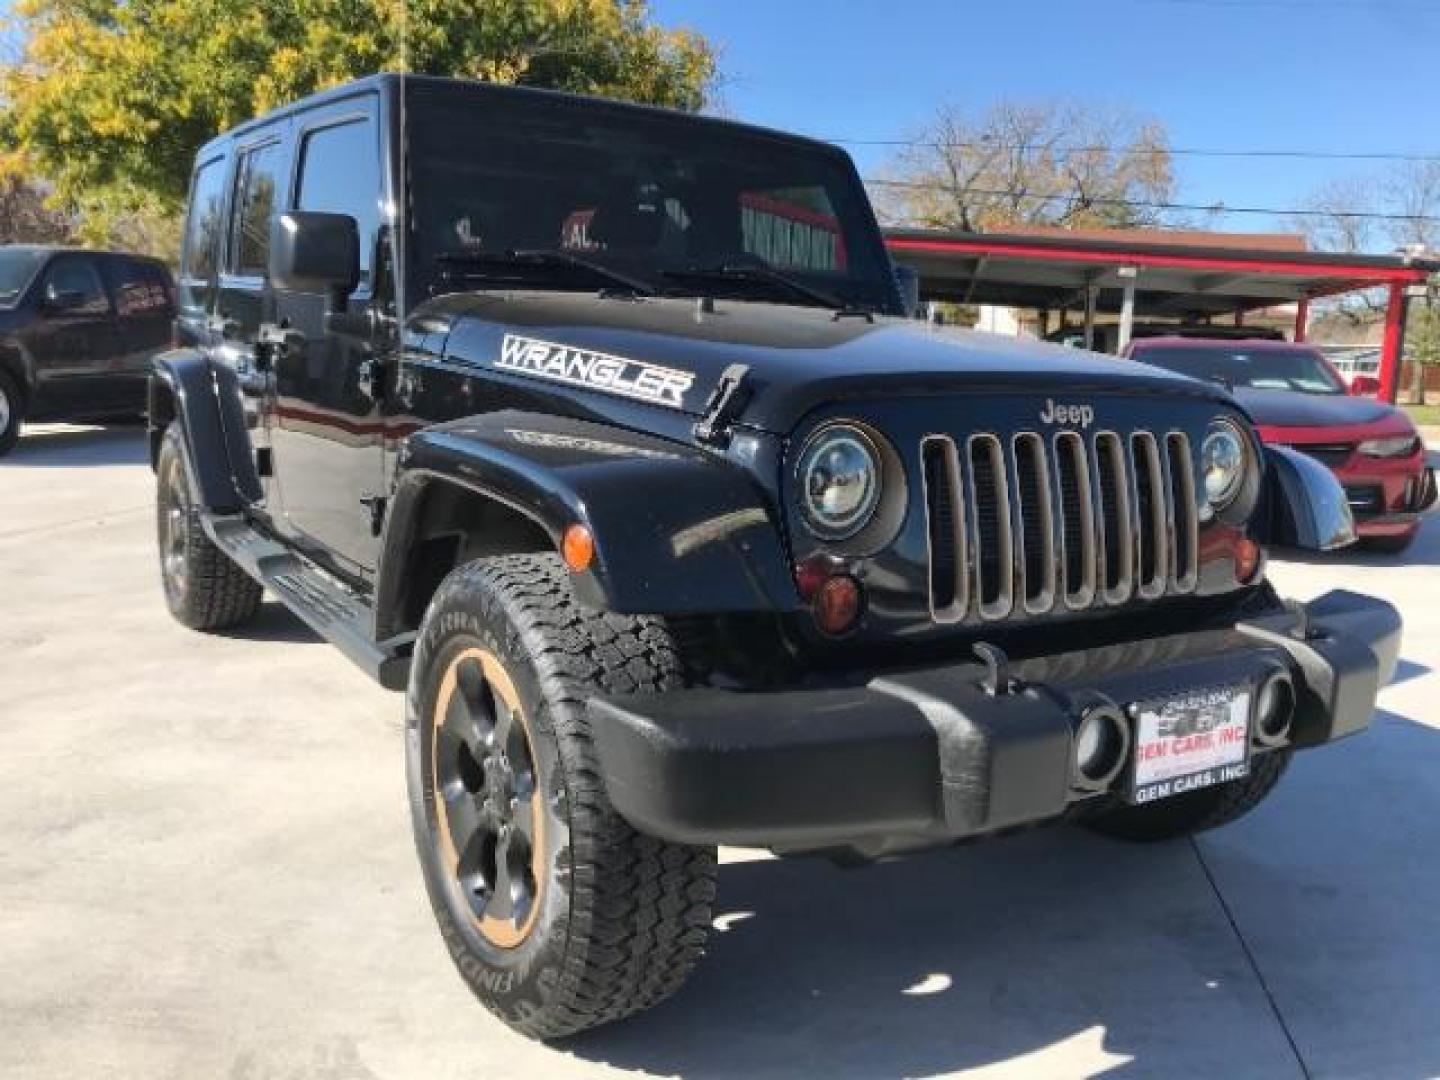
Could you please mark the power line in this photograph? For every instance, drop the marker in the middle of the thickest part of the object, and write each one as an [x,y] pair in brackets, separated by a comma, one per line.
[1101,200]
[1319,155]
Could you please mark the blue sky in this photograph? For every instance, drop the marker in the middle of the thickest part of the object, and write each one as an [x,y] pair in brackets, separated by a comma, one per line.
[1333,75]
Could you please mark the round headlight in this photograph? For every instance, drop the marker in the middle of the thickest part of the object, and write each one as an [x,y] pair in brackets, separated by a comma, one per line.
[839,482]
[1222,461]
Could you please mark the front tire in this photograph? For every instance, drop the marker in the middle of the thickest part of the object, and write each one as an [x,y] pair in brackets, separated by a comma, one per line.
[559,916]
[12,412]
[204,589]
[1195,811]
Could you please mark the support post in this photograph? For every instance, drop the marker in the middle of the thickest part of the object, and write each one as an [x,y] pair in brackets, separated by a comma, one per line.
[1092,294]
[1394,343]
[1302,319]
[1128,274]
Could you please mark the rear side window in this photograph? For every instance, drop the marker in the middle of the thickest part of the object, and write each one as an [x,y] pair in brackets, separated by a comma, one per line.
[72,284]
[202,236]
[139,288]
[340,174]
[256,204]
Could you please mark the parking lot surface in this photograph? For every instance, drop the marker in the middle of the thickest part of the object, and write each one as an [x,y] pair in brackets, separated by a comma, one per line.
[207,871]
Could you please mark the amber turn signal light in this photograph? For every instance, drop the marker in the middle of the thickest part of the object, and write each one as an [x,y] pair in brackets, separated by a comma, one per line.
[577,548]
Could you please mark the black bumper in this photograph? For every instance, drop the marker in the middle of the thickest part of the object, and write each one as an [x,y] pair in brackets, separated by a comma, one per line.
[922,756]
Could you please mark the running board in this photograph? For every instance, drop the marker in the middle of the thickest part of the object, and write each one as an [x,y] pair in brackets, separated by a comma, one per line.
[326,606]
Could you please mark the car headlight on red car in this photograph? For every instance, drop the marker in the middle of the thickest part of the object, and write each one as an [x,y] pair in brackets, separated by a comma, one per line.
[1393,446]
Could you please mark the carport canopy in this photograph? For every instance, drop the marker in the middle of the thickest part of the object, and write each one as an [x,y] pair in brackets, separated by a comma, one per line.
[1150,274]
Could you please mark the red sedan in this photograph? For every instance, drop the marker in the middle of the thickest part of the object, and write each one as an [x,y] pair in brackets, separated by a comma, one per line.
[1297,399]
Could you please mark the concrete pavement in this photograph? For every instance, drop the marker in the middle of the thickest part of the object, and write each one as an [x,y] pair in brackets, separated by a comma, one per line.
[207,871]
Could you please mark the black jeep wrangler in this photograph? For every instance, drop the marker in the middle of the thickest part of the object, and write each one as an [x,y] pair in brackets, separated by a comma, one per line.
[601,431]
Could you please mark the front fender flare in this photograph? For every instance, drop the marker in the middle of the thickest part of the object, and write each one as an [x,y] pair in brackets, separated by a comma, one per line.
[676,531]
[1308,506]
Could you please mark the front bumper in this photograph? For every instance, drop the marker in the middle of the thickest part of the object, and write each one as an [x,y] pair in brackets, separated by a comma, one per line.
[916,757]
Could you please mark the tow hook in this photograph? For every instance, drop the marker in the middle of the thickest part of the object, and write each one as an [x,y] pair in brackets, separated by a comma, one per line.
[997,681]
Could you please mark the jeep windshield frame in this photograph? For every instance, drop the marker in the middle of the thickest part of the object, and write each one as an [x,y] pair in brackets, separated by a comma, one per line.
[650,195]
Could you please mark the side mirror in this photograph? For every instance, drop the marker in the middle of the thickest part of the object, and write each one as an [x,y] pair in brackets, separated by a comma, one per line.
[907,281]
[314,252]
[1364,386]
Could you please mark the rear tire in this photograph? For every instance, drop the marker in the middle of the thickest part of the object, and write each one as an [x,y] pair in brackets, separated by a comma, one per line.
[1195,811]
[12,411]
[204,589]
[559,916]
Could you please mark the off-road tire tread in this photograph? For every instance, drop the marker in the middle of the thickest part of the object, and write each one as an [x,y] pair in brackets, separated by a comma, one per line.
[219,594]
[1196,811]
[641,907]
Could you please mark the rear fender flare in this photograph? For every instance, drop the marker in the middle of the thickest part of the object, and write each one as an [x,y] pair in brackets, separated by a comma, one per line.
[676,531]
[205,399]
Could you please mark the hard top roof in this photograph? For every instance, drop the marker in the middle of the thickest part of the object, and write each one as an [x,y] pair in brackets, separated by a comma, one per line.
[390,82]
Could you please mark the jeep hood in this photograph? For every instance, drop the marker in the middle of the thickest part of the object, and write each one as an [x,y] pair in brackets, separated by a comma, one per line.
[671,353]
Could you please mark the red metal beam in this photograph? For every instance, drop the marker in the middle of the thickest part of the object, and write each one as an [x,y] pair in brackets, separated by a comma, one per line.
[1362,275]
[1394,339]
[1302,318]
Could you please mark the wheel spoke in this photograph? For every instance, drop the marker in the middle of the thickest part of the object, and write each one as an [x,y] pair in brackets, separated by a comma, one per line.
[504,724]
[460,725]
[522,817]
[502,900]
[464,817]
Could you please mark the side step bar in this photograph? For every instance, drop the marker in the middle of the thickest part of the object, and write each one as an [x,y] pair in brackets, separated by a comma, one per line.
[326,606]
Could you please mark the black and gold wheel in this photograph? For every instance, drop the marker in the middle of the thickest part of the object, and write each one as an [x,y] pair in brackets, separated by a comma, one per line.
[490,820]
[557,913]
[204,589]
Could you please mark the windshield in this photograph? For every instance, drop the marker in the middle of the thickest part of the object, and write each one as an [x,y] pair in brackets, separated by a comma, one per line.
[1258,369]
[17,267]
[682,207]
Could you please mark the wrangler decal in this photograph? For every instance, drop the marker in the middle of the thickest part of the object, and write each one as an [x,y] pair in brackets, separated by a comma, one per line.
[597,370]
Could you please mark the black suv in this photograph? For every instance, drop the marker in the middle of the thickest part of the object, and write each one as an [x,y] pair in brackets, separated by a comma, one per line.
[79,331]
[600,429]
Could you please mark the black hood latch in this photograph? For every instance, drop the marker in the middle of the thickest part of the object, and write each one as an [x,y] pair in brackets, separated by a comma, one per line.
[727,400]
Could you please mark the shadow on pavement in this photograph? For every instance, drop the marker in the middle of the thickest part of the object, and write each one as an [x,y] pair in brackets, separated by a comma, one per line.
[273,622]
[1109,958]
[78,447]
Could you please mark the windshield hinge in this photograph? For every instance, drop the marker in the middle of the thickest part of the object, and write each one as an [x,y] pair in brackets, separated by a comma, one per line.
[726,401]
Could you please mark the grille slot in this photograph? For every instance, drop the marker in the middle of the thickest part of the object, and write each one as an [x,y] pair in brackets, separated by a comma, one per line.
[1118,543]
[945,530]
[993,535]
[1021,528]
[1186,563]
[1036,536]
[1153,535]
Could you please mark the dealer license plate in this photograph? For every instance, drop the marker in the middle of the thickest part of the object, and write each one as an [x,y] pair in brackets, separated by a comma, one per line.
[1190,741]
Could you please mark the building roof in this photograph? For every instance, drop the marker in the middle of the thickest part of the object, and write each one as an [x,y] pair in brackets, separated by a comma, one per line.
[1177,274]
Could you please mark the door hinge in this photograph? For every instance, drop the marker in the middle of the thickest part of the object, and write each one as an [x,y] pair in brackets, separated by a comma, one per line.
[263,464]
[376,505]
[725,404]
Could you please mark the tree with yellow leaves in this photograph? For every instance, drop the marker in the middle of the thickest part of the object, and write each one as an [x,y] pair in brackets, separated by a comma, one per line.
[108,100]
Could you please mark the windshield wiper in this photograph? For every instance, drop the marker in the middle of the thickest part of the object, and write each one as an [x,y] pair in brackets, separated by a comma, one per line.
[543,259]
[733,273]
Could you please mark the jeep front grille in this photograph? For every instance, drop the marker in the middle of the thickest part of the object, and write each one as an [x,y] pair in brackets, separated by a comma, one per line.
[1029,526]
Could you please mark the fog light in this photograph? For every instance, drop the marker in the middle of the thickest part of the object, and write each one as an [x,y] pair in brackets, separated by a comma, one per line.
[837,604]
[1274,708]
[1102,742]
